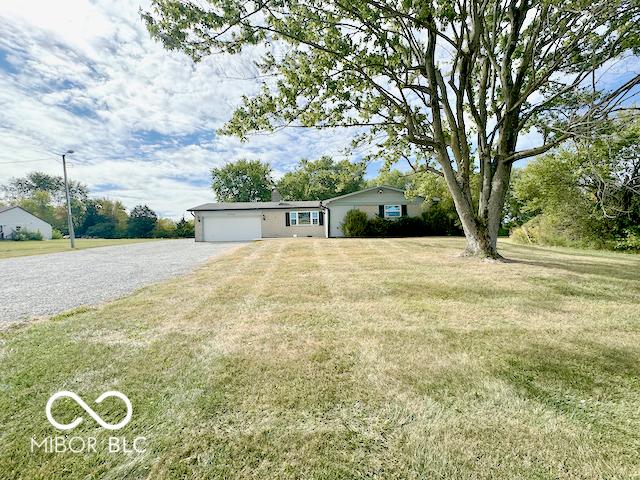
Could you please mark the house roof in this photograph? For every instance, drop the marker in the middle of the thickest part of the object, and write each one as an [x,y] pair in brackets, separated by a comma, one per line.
[254,205]
[386,187]
[11,207]
[283,204]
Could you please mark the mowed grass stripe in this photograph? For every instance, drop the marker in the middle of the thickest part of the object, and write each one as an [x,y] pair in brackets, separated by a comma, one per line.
[339,358]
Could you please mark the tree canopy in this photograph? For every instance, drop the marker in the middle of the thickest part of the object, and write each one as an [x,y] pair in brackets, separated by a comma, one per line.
[587,195]
[24,187]
[321,179]
[142,221]
[104,218]
[393,178]
[448,85]
[242,181]
[185,228]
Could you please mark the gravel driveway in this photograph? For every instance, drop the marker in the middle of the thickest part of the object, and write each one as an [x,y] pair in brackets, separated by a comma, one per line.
[49,284]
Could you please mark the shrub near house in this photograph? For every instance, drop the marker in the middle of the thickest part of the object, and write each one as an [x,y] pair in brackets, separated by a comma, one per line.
[358,224]
[23,235]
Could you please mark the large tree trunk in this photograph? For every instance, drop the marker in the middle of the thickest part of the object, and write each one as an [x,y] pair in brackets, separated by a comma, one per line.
[480,244]
[499,187]
[481,228]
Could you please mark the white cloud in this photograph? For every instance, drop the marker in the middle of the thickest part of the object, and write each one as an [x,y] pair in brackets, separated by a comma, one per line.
[86,76]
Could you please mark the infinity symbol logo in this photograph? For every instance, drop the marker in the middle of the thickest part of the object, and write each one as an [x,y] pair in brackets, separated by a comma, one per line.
[89,410]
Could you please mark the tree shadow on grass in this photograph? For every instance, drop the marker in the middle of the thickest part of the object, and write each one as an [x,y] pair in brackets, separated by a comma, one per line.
[563,251]
[588,381]
[586,289]
[623,267]
[627,272]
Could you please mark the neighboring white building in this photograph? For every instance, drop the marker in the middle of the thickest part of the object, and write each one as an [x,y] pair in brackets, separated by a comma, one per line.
[14,219]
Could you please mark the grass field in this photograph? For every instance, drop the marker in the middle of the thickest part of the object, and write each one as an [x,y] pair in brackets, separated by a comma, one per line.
[342,359]
[9,248]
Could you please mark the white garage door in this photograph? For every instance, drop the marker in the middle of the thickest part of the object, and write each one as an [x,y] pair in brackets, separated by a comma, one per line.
[229,228]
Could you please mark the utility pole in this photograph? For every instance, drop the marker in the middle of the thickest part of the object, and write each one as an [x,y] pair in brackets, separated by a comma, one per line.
[72,235]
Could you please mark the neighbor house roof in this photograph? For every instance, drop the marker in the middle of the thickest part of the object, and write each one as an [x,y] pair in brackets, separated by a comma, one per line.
[254,205]
[11,207]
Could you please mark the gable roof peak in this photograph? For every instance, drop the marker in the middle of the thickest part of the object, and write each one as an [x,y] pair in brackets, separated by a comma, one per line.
[7,207]
[377,187]
[11,207]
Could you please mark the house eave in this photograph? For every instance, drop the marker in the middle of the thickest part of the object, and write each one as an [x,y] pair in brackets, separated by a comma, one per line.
[386,187]
[317,205]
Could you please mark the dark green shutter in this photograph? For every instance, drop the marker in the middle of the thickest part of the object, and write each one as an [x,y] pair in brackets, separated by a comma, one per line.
[404,210]
[287,222]
[321,218]
[381,211]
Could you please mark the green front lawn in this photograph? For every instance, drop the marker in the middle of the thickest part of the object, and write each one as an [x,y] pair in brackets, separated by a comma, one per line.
[342,359]
[10,248]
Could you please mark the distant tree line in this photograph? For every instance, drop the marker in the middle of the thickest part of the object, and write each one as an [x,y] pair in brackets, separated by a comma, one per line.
[252,180]
[43,195]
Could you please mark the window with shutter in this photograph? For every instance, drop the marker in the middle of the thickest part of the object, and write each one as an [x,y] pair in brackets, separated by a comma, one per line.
[303,218]
[392,211]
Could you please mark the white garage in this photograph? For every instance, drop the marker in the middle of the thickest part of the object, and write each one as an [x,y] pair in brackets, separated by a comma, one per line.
[242,221]
[230,226]
[14,219]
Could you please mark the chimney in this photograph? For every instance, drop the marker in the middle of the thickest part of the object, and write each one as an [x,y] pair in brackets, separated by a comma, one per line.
[275,195]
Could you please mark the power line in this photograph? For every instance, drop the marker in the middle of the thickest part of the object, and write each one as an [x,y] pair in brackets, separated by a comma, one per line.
[28,161]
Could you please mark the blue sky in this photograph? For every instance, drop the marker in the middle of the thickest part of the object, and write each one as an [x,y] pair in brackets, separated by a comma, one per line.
[84,75]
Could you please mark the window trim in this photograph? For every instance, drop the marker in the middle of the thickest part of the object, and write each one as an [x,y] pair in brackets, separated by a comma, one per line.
[293,218]
[393,216]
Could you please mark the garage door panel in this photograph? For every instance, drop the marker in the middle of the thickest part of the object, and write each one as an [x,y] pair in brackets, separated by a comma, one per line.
[229,228]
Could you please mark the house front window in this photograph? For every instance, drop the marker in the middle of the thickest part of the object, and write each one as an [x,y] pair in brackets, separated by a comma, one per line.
[304,218]
[392,211]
